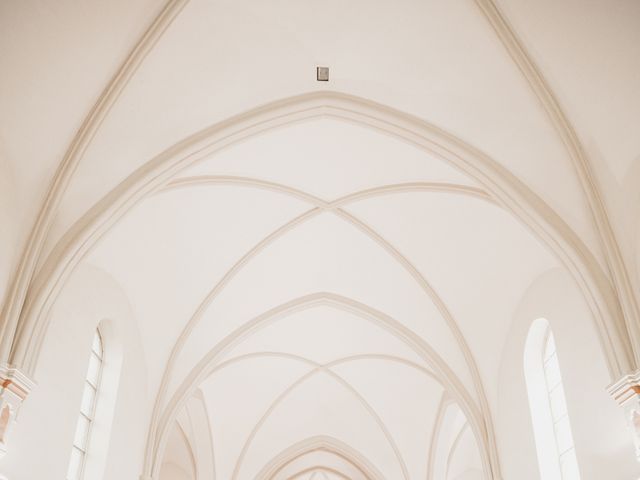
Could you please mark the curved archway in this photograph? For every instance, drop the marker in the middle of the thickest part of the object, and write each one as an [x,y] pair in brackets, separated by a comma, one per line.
[504,188]
[337,207]
[174,252]
[163,416]
[319,444]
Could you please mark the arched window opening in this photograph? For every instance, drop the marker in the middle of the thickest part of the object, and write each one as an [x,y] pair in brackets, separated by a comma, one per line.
[551,425]
[87,409]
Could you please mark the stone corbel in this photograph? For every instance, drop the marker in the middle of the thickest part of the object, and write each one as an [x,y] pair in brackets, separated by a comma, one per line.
[626,392]
[14,388]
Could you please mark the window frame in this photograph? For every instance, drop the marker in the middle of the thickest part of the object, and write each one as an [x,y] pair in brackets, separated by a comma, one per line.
[550,362]
[89,418]
[548,405]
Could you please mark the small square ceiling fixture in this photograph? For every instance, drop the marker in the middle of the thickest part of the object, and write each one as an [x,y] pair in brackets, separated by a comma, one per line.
[322,74]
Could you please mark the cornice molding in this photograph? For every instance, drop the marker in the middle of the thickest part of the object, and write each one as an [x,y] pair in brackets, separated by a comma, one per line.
[15,386]
[626,389]
[582,166]
[626,392]
[15,381]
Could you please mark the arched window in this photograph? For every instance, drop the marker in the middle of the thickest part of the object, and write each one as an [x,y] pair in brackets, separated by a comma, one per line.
[552,429]
[87,409]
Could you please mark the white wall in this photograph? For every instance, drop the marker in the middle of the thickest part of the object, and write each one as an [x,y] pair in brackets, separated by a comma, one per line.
[40,446]
[603,445]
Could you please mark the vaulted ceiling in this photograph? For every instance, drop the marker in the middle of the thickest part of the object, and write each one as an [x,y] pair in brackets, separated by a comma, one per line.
[319,269]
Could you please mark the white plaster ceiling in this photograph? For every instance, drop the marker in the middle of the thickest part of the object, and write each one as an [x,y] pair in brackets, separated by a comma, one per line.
[590,54]
[56,58]
[364,279]
[415,256]
[219,59]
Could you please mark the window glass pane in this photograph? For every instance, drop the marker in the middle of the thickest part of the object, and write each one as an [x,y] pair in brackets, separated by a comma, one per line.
[87,409]
[569,466]
[82,432]
[93,374]
[88,397]
[558,402]
[552,372]
[75,464]
[549,346]
[97,345]
[563,434]
[554,440]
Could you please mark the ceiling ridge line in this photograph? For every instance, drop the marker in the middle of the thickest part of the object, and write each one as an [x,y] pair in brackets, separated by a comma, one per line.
[451,382]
